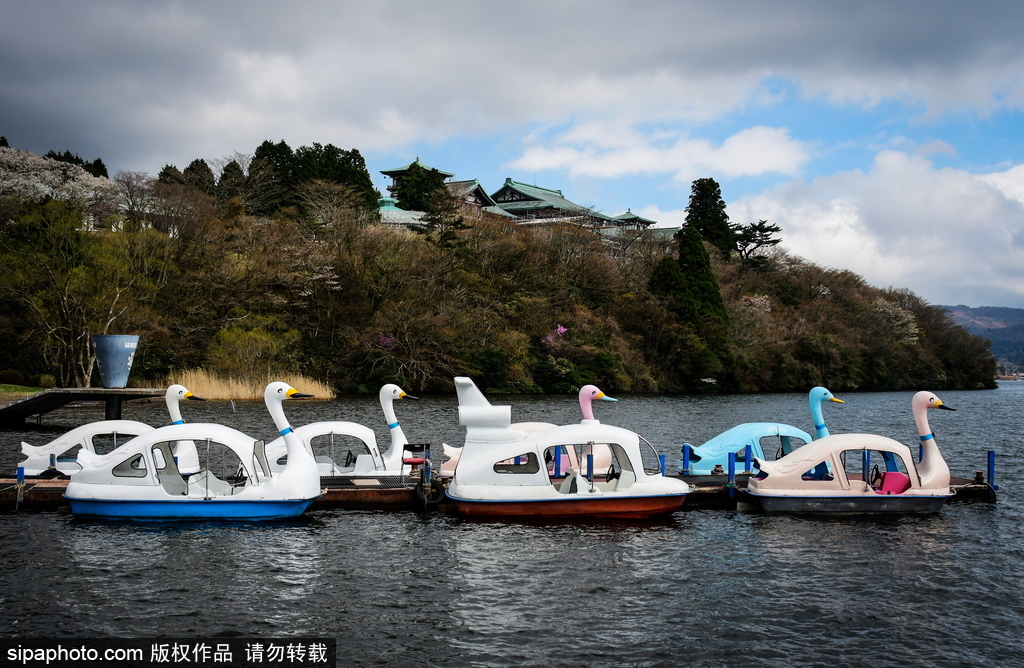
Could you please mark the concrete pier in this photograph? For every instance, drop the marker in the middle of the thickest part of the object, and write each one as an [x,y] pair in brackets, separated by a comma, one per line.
[16,412]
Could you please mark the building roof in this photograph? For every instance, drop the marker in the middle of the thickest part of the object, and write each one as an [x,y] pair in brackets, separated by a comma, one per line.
[523,200]
[392,215]
[471,192]
[399,171]
[630,218]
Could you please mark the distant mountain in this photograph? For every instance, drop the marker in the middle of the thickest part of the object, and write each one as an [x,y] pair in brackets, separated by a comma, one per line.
[1001,325]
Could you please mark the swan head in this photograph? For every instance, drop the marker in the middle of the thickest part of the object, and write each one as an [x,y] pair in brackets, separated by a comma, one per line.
[278,391]
[821,395]
[925,400]
[179,392]
[390,392]
[592,393]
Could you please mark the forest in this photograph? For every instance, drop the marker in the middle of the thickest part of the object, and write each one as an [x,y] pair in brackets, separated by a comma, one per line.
[277,261]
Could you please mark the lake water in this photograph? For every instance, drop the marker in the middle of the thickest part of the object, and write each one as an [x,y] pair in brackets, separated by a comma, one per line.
[706,588]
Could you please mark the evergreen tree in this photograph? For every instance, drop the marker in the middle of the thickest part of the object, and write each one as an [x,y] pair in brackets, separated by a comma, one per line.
[199,175]
[96,167]
[752,238]
[417,187]
[3,142]
[695,265]
[334,165]
[232,182]
[706,214]
[171,175]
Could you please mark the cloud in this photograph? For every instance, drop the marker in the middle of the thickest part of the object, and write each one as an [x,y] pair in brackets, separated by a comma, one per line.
[609,151]
[944,233]
[131,80]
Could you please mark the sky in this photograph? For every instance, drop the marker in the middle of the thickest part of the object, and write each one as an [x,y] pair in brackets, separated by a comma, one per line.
[886,138]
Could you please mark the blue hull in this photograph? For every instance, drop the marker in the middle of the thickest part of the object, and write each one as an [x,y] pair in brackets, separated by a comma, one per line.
[193,509]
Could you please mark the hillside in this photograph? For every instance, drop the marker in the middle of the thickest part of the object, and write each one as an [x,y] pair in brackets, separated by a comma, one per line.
[1001,325]
[286,267]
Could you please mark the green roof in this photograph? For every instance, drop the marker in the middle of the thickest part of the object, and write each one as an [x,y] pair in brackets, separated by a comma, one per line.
[630,217]
[534,198]
[398,171]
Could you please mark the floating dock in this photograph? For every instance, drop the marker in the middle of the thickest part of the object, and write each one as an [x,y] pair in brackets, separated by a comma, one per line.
[713,492]
[15,413]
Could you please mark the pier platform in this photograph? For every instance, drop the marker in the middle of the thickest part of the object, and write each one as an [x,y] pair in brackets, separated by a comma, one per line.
[15,413]
[710,492]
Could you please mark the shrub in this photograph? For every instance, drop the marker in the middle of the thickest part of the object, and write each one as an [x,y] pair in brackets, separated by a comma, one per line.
[43,380]
[11,377]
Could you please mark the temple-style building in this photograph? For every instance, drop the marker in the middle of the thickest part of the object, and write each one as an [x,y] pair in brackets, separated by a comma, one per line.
[527,204]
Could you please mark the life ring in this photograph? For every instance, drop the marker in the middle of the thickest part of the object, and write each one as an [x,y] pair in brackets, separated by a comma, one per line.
[430,497]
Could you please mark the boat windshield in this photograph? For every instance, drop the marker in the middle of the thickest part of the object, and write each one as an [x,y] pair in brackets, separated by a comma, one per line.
[652,462]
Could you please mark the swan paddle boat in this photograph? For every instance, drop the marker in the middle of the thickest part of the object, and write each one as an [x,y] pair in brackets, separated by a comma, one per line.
[854,482]
[140,480]
[398,466]
[588,394]
[713,456]
[111,433]
[502,472]
[374,462]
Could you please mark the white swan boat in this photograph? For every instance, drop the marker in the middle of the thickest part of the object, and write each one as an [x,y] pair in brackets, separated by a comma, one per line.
[503,472]
[602,456]
[379,474]
[842,474]
[59,456]
[140,479]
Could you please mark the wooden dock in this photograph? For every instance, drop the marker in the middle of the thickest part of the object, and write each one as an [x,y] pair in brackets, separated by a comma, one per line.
[15,413]
[710,492]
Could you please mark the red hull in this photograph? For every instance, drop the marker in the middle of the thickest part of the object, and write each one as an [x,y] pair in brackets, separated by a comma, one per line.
[638,507]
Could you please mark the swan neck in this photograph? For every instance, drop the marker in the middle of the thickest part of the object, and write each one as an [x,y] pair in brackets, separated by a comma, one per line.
[174,410]
[820,430]
[387,404]
[924,430]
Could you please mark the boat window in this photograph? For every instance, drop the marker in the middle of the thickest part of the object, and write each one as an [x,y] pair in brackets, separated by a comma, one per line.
[260,464]
[158,458]
[780,446]
[133,467]
[574,456]
[872,465]
[106,443]
[221,461]
[341,449]
[524,463]
[652,462]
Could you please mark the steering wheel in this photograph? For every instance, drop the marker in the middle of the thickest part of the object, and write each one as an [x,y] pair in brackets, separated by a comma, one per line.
[876,476]
[350,459]
[612,474]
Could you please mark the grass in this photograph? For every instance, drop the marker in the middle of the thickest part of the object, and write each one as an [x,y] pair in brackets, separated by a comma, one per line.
[211,386]
[15,392]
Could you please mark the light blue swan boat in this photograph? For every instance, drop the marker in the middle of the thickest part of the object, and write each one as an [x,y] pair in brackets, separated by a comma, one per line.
[780,439]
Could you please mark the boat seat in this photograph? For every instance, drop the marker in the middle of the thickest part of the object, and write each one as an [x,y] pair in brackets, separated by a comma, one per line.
[571,483]
[894,482]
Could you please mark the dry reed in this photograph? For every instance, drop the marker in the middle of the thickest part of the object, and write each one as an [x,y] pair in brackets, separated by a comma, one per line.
[211,386]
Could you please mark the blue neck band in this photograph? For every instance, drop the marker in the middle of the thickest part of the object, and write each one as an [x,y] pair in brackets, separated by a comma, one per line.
[819,426]
[925,438]
[392,425]
[178,422]
[286,430]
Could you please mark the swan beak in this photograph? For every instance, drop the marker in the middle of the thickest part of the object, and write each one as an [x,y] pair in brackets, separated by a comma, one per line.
[189,395]
[838,401]
[403,395]
[939,404]
[295,394]
[604,397]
